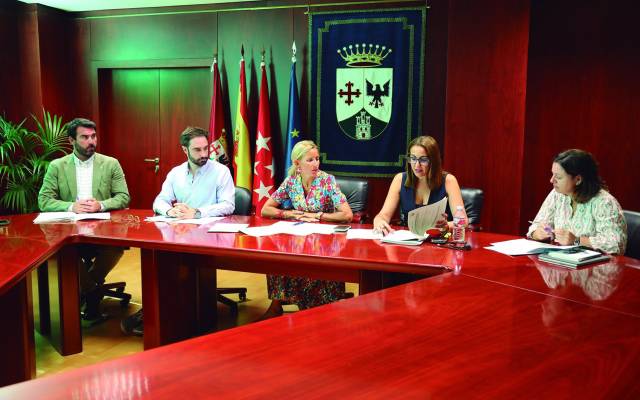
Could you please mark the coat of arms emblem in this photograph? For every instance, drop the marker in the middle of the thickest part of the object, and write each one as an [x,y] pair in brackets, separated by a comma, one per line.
[364,91]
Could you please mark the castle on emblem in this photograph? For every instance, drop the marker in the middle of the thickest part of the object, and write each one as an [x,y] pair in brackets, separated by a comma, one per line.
[364,91]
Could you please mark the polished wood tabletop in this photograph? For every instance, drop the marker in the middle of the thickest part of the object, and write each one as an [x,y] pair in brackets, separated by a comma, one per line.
[502,325]
[449,336]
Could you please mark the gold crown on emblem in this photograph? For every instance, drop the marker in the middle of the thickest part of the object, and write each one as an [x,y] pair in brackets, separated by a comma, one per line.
[363,55]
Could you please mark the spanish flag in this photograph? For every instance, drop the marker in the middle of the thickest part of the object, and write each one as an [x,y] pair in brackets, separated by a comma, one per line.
[241,154]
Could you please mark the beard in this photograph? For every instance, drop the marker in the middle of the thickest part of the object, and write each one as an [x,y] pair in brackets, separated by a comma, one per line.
[198,161]
[88,152]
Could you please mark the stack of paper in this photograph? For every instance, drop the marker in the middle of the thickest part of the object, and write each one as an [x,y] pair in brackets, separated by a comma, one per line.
[404,237]
[518,247]
[425,217]
[573,258]
[53,217]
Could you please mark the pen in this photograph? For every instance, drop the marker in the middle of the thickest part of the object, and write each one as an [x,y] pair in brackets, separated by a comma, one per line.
[298,223]
[545,227]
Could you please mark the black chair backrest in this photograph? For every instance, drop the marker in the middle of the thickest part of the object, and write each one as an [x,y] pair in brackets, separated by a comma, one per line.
[473,200]
[355,190]
[633,233]
[243,201]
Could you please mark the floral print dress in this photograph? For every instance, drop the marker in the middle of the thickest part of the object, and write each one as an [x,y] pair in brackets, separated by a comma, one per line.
[324,195]
[601,219]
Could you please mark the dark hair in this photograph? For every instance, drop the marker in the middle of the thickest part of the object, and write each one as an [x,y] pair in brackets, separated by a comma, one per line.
[429,144]
[579,162]
[190,133]
[72,126]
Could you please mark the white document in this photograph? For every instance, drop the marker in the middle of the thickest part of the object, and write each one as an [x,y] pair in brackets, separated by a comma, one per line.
[364,234]
[160,218]
[518,247]
[290,228]
[227,227]
[197,221]
[52,217]
[425,217]
[404,237]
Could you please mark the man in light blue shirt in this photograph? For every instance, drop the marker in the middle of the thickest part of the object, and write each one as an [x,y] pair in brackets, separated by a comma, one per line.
[200,187]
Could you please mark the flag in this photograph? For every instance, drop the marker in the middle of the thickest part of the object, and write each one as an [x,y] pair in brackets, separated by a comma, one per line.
[294,132]
[218,149]
[263,165]
[241,157]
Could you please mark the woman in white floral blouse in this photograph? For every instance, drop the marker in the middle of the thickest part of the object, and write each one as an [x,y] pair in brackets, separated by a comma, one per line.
[579,209]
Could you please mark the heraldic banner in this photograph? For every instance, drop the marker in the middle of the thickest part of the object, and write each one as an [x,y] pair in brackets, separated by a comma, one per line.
[367,71]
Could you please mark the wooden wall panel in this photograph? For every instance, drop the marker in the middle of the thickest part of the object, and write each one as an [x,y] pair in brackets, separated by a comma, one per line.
[486,78]
[582,92]
[57,78]
[10,65]
[184,101]
[149,37]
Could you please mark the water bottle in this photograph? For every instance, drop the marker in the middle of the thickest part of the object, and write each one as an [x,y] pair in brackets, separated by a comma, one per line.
[459,221]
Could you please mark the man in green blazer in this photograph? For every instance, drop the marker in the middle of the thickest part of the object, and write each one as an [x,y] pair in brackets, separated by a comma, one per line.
[86,182]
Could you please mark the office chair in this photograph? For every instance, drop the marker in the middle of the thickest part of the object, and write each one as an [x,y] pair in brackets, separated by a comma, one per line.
[243,207]
[356,191]
[473,200]
[633,233]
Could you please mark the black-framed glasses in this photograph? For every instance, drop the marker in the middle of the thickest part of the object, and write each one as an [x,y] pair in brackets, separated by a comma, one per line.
[421,160]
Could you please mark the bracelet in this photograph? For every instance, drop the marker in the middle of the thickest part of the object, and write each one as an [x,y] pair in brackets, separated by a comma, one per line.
[280,214]
[319,215]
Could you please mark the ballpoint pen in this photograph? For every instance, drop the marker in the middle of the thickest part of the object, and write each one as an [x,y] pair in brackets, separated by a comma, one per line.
[546,227]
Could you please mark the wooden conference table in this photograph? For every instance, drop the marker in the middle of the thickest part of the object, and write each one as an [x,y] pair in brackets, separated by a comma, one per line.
[498,326]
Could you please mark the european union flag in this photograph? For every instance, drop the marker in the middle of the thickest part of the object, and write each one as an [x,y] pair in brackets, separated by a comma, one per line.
[294,132]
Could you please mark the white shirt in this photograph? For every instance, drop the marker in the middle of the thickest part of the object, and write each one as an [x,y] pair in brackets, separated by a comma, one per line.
[210,191]
[84,179]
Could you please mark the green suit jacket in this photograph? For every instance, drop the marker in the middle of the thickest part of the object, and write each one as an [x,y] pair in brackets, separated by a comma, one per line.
[59,188]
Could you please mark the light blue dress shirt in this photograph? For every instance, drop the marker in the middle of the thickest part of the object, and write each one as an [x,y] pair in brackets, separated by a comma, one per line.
[211,190]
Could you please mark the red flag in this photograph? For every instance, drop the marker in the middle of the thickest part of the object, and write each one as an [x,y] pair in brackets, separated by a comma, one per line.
[241,156]
[263,166]
[218,149]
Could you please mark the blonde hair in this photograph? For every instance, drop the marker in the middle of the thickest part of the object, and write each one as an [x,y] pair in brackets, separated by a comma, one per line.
[299,150]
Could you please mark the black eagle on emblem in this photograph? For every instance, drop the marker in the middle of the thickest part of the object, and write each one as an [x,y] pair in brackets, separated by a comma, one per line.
[377,93]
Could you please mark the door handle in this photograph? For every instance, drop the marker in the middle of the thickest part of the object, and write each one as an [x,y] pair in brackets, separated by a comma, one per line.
[156,161]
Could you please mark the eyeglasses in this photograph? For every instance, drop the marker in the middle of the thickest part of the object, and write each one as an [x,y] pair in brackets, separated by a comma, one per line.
[421,160]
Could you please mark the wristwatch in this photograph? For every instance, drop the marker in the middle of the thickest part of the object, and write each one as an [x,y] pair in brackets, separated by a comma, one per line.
[577,241]
[318,215]
[197,214]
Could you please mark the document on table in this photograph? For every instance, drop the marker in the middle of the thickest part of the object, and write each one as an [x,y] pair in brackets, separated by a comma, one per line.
[518,247]
[364,234]
[425,217]
[404,237]
[197,221]
[53,217]
[290,228]
[227,227]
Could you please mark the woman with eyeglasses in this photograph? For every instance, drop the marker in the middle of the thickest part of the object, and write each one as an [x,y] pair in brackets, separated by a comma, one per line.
[423,183]
[579,210]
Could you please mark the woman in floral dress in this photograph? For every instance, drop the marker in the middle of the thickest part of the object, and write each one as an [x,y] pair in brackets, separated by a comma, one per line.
[580,210]
[311,195]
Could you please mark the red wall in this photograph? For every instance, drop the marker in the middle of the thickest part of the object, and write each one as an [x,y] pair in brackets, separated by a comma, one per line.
[583,91]
[486,78]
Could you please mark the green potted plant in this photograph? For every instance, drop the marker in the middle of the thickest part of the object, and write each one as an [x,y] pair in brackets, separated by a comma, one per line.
[24,158]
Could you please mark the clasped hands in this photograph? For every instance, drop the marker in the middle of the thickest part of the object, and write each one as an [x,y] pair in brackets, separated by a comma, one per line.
[86,206]
[302,216]
[181,211]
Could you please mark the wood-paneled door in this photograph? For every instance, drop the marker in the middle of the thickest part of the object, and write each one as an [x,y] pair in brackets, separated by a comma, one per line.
[142,112]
